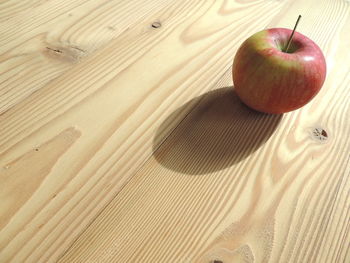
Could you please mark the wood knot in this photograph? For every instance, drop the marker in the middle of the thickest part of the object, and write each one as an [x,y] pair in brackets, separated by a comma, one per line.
[319,134]
[156,24]
[217,261]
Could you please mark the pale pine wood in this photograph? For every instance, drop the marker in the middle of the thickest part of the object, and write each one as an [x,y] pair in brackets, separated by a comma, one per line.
[42,42]
[10,8]
[87,165]
[282,197]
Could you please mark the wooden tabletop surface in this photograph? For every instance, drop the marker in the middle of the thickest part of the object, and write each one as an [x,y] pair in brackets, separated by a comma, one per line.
[122,140]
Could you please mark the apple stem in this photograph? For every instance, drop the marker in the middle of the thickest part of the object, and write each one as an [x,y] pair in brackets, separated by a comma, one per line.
[291,36]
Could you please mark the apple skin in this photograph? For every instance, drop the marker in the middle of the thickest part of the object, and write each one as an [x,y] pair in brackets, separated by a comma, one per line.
[272,81]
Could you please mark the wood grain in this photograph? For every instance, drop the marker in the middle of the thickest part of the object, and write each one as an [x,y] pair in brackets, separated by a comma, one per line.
[42,43]
[116,134]
[283,203]
[98,113]
[10,9]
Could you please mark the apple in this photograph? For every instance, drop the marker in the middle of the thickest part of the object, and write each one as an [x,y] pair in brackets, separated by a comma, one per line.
[271,79]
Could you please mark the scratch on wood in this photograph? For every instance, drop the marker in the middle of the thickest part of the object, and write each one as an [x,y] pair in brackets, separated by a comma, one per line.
[78,48]
[55,50]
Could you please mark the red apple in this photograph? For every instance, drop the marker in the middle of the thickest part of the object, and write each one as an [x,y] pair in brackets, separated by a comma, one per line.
[268,79]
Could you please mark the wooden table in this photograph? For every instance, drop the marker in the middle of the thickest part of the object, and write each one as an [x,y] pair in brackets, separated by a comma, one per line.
[121,139]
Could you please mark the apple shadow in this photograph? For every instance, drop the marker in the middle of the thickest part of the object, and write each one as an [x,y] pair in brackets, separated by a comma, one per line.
[218,132]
